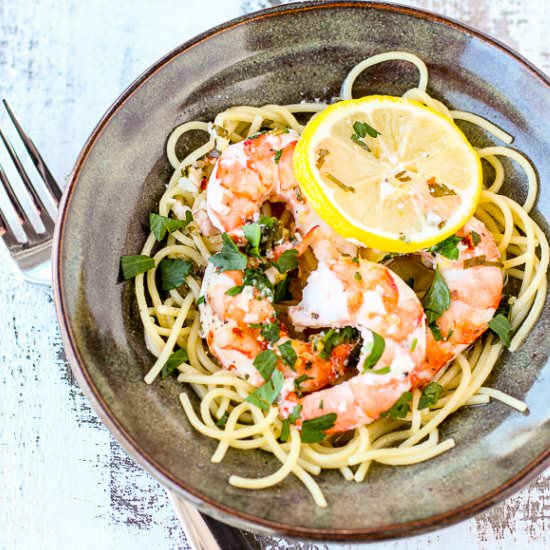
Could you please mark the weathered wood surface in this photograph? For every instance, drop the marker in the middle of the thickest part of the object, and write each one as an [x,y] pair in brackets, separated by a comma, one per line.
[64,482]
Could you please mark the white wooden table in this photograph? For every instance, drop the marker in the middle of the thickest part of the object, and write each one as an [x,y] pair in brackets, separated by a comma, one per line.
[64,482]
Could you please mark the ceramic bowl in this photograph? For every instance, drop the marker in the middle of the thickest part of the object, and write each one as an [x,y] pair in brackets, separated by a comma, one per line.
[285,55]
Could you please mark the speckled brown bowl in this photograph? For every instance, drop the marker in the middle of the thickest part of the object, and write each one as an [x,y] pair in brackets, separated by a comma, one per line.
[285,55]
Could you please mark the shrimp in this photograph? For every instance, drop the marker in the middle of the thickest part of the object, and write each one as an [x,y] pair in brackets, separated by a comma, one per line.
[475,293]
[257,170]
[345,292]
[233,327]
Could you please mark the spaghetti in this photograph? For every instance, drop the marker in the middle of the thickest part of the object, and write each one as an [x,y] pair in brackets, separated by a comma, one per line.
[225,415]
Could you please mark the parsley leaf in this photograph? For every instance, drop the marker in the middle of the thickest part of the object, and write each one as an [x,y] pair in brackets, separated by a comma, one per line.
[375,350]
[229,258]
[258,279]
[400,408]
[476,239]
[271,331]
[173,362]
[335,337]
[277,156]
[173,272]
[437,299]
[221,422]
[298,383]
[160,224]
[201,300]
[447,248]
[502,327]
[253,234]
[436,331]
[362,129]
[134,265]
[281,292]
[357,140]
[313,430]
[234,290]
[430,395]
[285,430]
[265,363]
[288,354]
[287,261]
[265,395]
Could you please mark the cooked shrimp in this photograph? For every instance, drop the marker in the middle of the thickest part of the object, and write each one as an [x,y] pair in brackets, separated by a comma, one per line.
[257,170]
[232,327]
[343,292]
[475,293]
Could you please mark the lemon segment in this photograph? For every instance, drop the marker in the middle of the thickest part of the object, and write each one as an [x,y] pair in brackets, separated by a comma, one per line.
[388,172]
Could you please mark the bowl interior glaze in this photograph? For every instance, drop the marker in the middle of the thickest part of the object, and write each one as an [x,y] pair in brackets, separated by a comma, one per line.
[286,55]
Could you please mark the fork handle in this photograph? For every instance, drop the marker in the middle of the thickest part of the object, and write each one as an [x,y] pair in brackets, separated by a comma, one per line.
[204,532]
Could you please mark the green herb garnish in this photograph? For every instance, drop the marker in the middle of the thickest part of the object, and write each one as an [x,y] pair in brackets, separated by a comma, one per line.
[258,279]
[281,292]
[292,418]
[313,430]
[173,272]
[298,383]
[229,258]
[400,408]
[362,129]
[161,224]
[335,337]
[476,239]
[447,248]
[374,349]
[430,395]
[173,362]
[134,265]
[502,327]
[437,299]
[271,332]
[253,234]
[265,363]
[437,190]
[288,354]
[287,261]
[234,290]
[201,300]
[277,156]
[221,422]
[340,184]
[265,395]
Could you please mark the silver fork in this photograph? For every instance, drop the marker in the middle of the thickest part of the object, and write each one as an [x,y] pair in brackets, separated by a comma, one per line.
[31,250]
[30,246]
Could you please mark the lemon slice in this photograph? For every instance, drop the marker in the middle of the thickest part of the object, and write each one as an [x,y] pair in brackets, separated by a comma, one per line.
[388,172]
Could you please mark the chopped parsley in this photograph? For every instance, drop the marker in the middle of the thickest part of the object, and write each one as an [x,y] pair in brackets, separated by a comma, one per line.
[476,239]
[502,327]
[400,408]
[265,363]
[277,156]
[265,395]
[313,430]
[298,383]
[253,234]
[361,129]
[201,300]
[134,265]
[321,154]
[288,354]
[159,225]
[336,336]
[437,299]
[271,331]
[414,343]
[173,362]
[258,279]
[229,258]
[234,290]
[293,417]
[221,422]
[448,247]
[374,351]
[357,276]
[358,141]
[173,272]
[287,261]
[430,395]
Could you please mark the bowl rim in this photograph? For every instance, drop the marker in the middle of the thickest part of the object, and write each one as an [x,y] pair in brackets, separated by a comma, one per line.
[204,503]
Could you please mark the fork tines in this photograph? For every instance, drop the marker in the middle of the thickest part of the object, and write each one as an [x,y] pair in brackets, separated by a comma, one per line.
[38,228]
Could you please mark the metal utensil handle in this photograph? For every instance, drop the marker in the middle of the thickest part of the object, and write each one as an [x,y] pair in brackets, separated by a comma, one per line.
[206,533]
